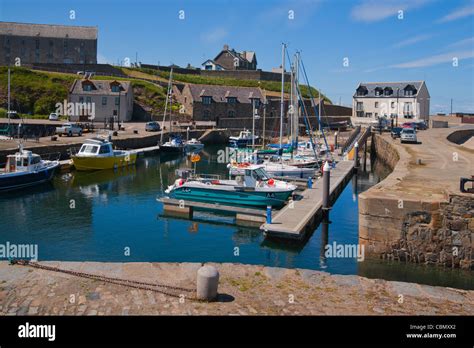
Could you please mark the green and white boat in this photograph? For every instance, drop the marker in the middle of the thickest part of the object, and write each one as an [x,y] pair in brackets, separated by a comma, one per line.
[254,188]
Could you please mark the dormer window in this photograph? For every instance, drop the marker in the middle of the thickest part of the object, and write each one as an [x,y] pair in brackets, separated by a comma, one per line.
[378,91]
[361,91]
[115,88]
[409,90]
[207,100]
[87,87]
[256,102]
[387,91]
[231,100]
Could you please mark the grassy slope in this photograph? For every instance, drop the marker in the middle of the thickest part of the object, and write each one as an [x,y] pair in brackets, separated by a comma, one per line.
[37,92]
[267,85]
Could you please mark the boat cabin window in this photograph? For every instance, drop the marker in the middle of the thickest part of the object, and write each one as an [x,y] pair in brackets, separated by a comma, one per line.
[104,149]
[257,174]
[91,149]
[36,160]
[22,162]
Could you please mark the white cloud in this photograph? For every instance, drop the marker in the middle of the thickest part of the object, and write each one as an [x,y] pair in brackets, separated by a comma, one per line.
[214,35]
[374,10]
[458,14]
[435,60]
[412,40]
[468,41]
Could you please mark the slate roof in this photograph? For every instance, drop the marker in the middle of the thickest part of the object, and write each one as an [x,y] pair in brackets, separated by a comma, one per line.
[371,86]
[48,30]
[220,94]
[101,87]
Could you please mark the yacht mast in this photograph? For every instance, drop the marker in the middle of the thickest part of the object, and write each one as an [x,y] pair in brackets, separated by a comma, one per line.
[8,114]
[166,107]
[283,48]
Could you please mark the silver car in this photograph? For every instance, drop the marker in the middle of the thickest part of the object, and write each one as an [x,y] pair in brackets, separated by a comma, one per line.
[152,127]
[408,135]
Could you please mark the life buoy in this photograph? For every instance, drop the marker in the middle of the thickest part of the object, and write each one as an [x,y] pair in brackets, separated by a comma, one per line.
[243,165]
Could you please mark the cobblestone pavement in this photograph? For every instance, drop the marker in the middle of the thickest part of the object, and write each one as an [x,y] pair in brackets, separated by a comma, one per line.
[243,290]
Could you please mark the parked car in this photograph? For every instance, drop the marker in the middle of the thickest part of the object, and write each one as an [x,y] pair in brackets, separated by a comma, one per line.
[409,125]
[69,129]
[395,132]
[421,125]
[408,135]
[152,127]
[13,115]
[53,116]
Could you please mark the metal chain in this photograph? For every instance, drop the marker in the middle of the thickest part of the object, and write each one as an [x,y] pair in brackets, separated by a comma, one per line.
[118,281]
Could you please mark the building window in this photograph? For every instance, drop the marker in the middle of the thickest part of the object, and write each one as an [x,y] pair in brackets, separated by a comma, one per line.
[81,99]
[206,100]
[231,100]
[368,114]
[256,102]
[104,100]
[206,115]
[115,88]
[117,100]
[392,105]
[87,87]
[376,104]
[231,113]
[376,114]
[88,100]
[359,106]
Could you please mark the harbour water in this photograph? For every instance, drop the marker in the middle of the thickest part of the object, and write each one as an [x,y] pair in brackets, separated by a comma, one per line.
[114,216]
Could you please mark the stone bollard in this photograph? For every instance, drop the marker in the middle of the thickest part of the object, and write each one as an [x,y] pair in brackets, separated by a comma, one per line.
[207,283]
[326,185]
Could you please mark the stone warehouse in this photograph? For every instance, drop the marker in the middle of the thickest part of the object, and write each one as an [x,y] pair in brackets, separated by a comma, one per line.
[210,102]
[103,99]
[401,101]
[44,43]
[232,107]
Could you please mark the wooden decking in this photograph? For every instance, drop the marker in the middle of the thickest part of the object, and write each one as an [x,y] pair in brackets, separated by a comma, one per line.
[290,222]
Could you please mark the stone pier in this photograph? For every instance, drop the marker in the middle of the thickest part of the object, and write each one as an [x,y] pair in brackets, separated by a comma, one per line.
[418,214]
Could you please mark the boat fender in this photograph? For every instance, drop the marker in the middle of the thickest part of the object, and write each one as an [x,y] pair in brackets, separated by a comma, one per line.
[271,182]
[181,182]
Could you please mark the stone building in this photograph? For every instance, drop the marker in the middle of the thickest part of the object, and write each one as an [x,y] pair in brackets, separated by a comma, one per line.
[104,99]
[230,59]
[401,101]
[44,43]
[210,103]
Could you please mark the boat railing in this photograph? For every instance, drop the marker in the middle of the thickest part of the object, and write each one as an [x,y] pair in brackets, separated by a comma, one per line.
[207,176]
[52,156]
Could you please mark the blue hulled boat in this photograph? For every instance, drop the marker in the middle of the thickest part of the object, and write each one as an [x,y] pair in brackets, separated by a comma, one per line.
[24,169]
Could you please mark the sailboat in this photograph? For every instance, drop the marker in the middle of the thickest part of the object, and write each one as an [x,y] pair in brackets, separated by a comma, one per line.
[175,144]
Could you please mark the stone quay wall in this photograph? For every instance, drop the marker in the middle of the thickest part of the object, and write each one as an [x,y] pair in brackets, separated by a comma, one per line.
[393,226]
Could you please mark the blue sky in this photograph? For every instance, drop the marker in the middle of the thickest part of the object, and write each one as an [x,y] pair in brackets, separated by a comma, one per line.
[378,44]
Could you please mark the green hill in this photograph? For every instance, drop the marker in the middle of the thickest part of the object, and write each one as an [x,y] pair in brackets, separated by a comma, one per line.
[197,79]
[35,93]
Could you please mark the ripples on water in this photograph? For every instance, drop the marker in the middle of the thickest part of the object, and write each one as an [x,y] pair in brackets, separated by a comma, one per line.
[95,216]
